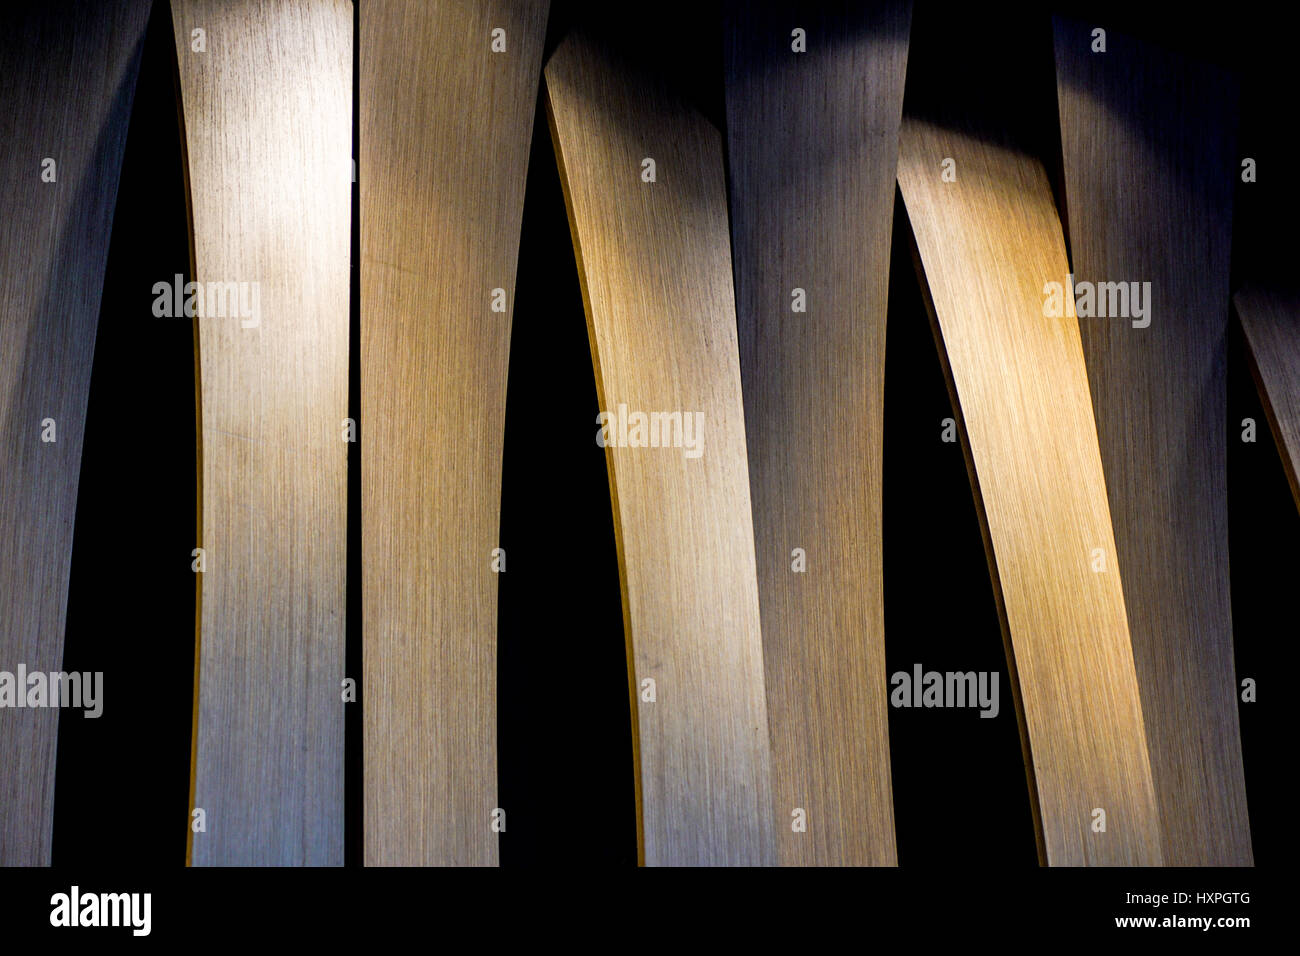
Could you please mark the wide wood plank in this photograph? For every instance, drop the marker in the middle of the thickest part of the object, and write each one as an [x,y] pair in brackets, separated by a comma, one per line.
[812,144]
[655,268]
[1150,163]
[1270,317]
[69,74]
[988,243]
[445,126]
[267,122]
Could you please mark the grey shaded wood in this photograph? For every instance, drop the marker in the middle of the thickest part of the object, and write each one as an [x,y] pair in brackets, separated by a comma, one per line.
[267,118]
[655,268]
[1270,317]
[69,74]
[1148,141]
[445,129]
[812,148]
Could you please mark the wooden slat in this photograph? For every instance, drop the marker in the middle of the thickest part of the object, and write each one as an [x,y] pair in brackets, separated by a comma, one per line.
[445,126]
[656,276]
[988,244]
[1147,140]
[69,80]
[812,148]
[267,122]
[1270,317]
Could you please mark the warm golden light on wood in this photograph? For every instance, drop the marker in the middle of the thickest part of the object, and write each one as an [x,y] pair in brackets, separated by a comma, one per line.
[655,268]
[988,244]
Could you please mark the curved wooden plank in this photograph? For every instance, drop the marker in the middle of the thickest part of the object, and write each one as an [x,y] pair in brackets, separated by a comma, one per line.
[1270,317]
[988,244]
[445,129]
[69,80]
[654,262]
[812,143]
[1148,143]
[267,121]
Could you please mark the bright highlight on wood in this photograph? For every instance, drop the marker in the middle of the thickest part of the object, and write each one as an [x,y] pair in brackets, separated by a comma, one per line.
[654,263]
[267,119]
[988,243]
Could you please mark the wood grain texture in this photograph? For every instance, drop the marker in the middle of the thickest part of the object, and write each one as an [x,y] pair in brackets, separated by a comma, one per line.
[69,81]
[812,148]
[654,263]
[445,130]
[988,243]
[1270,318]
[1150,162]
[267,112]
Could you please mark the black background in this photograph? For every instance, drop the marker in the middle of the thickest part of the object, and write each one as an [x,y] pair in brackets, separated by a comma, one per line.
[565,758]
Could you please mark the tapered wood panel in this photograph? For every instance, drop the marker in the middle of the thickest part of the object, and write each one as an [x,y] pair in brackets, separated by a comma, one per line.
[1270,317]
[69,81]
[988,244]
[267,118]
[654,263]
[813,147]
[1148,145]
[445,130]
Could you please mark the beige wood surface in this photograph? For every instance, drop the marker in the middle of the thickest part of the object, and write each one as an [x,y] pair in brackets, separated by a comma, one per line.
[1270,317]
[1150,163]
[445,126]
[654,263]
[69,74]
[267,118]
[813,146]
[988,243]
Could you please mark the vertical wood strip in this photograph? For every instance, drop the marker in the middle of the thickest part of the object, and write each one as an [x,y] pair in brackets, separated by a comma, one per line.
[267,121]
[1148,143]
[655,268]
[813,148]
[445,127]
[988,243]
[69,81]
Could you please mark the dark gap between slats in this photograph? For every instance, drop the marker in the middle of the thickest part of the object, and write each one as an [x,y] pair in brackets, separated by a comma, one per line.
[566,775]
[122,779]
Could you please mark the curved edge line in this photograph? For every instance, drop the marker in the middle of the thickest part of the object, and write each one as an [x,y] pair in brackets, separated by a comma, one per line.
[613,483]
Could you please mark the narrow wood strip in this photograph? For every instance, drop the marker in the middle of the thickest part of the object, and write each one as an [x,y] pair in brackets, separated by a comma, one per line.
[1270,317]
[267,119]
[988,243]
[813,148]
[445,129]
[69,80]
[1148,144]
[654,262]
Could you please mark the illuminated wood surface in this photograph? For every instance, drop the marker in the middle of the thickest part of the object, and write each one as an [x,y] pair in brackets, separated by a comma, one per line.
[1150,165]
[988,243]
[267,117]
[1270,318]
[812,146]
[656,277]
[69,81]
[445,129]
